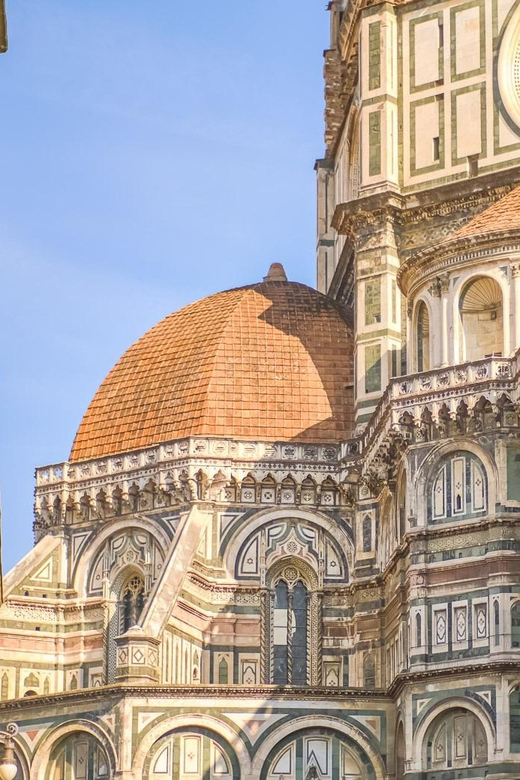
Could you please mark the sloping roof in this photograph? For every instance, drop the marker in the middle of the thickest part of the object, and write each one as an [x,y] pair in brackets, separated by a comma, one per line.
[273,361]
[502,215]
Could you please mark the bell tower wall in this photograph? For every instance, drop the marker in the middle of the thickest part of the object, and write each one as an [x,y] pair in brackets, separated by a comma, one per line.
[422,133]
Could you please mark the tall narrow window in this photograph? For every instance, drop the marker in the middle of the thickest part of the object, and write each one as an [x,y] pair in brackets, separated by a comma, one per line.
[223,675]
[418,630]
[132,602]
[515,624]
[514,720]
[367,534]
[299,635]
[423,338]
[290,618]
[281,633]
[496,631]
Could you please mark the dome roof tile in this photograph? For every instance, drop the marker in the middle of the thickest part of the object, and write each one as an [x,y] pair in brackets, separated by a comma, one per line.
[502,215]
[271,361]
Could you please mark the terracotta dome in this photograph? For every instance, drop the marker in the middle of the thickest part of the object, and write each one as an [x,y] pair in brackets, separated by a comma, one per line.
[500,216]
[272,361]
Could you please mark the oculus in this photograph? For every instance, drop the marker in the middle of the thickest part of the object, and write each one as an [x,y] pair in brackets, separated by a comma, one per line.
[508,69]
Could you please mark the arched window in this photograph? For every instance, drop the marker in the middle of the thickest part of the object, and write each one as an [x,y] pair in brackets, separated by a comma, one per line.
[78,757]
[423,337]
[458,490]
[514,719]
[418,630]
[482,319]
[367,534]
[456,740]
[292,615]
[515,624]
[290,634]
[223,672]
[131,602]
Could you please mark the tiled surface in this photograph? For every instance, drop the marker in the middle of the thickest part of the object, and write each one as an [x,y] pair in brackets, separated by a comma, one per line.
[502,215]
[271,361]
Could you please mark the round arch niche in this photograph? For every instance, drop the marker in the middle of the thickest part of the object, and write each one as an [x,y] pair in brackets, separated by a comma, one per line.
[482,318]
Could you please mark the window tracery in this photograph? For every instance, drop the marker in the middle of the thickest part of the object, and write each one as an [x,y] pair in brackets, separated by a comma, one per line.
[131,602]
[292,627]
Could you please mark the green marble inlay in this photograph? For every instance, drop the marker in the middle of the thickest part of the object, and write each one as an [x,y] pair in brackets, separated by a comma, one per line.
[373,368]
[374,143]
[374,55]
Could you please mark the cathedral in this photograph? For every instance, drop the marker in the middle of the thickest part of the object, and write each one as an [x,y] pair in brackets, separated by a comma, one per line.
[284,545]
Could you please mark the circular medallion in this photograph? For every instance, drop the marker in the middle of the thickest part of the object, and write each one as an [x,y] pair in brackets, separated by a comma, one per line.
[508,71]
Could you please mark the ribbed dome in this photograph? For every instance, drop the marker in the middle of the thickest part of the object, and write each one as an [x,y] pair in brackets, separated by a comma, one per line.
[273,361]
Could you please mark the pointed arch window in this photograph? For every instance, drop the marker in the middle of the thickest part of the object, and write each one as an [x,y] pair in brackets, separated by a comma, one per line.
[291,618]
[131,602]
[223,672]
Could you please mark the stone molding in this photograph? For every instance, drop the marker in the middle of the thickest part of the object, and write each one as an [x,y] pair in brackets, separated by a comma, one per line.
[176,473]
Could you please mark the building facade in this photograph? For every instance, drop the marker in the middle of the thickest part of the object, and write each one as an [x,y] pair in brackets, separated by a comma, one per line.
[284,545]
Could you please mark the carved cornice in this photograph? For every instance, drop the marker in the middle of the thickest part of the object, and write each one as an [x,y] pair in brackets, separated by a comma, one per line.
[466,670]
[175,474]
[455,252]
[414,208]
[212,693]
[432,406]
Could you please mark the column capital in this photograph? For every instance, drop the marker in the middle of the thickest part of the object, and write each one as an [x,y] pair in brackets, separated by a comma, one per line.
[444,283]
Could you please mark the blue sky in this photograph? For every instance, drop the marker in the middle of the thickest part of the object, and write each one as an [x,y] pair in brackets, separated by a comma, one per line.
[151,153]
